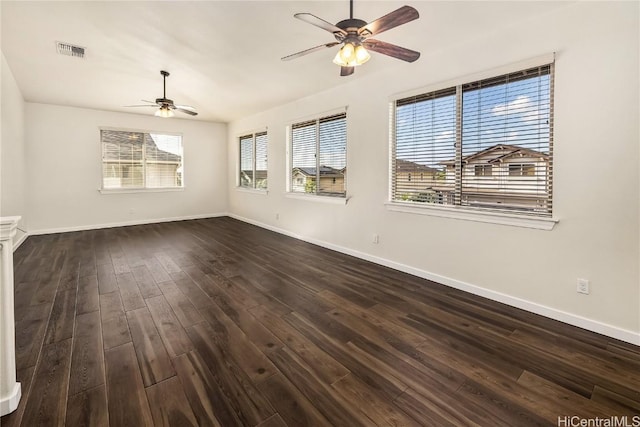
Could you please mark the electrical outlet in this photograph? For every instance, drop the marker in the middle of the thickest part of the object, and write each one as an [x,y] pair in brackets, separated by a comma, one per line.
[376,239]
[583,286]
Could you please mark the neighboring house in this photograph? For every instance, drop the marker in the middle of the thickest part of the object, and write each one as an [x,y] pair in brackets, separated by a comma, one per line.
[303,180]
[503,174]
[412,178]
[123,164]
[247,178]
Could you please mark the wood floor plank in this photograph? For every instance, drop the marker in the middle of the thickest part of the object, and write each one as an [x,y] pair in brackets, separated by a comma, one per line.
[60,326]
[25,378]
[377,408]
[47,402]
[88,408]
[87,360]
[292,406]
[146,284]
[324,366]
[115,331]
[207,398]
[332,408]
[128,404]
[153,359]
[169,405]
[173,334]
[106,278]
[237,388]
[236,346]
[88,294]
[184,310]
[30,330]
[129,292]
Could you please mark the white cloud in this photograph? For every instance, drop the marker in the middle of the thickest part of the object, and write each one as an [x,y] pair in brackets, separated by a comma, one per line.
[521,105]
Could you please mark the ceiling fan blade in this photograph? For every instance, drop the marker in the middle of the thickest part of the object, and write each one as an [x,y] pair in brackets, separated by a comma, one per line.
[321,23]
[305,52]
[184,110]
[154,106]
[391,50]
[150,102]
[347,71]
[186,107]
[391,20]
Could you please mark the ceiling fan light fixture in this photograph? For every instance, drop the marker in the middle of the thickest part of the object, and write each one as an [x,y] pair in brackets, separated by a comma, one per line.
[351,55]
[164,112]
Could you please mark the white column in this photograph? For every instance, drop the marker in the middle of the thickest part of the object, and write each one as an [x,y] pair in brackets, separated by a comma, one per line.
[9,389]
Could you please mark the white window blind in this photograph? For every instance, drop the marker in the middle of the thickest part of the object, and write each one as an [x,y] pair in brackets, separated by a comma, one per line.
[487,144]
[253,161]
[319,156]
[139,160]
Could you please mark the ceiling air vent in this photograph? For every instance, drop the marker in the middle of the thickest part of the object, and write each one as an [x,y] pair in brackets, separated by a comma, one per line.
[70,50]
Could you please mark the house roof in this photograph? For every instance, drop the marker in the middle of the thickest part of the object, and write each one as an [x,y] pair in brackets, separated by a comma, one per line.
[505,151]
[325,171]
[124,146]
[408,166]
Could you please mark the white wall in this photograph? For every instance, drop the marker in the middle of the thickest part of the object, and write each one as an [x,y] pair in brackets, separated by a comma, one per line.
[596,182]
[64,169]
[12,151]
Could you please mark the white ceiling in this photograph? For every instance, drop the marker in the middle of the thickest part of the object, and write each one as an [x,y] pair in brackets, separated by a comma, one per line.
[223,56]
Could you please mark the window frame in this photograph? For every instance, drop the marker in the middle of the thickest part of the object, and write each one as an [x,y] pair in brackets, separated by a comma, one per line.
[472,213]
[253,135]
[315,120]
[144,189]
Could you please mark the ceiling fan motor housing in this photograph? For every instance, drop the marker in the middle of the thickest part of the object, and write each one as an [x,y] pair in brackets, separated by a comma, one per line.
[351,26]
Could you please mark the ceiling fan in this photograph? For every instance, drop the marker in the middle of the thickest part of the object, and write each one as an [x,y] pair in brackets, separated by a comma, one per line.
[353,35]
[166,106]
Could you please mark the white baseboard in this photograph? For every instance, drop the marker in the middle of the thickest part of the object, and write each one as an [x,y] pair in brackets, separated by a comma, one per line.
[20,240]
[552,313]
[123,224]
[10,402]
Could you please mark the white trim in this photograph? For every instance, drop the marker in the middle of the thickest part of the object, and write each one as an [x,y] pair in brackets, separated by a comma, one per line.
[9,403]
[317,116]
[552,313]
[474,215]
[537,61]
[138,190]
[334,200]
[252,190]
[123,223]
[20,240]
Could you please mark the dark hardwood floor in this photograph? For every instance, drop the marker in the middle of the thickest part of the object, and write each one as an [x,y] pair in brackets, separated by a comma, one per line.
[219,323]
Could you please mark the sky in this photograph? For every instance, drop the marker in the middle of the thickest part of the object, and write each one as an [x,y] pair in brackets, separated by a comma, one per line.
[516,113]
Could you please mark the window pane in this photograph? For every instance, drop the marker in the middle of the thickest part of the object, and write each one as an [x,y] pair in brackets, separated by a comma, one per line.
[164,160]
[246,161]
[333,155]
[303,158]
[261,160]
[424,166]
[506,126]
[139,160]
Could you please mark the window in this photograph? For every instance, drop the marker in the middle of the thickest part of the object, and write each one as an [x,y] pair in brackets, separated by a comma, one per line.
[485,144]
[141,160]
[253,161]
[318,156]
[516,169]
[483,170]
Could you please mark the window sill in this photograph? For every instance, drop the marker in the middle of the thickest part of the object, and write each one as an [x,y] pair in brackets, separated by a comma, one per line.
[252,191]
[137,190]
[315,198]
[478,216]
